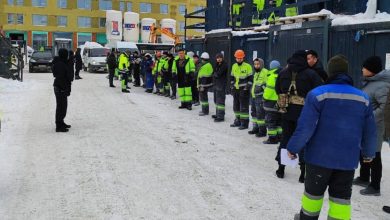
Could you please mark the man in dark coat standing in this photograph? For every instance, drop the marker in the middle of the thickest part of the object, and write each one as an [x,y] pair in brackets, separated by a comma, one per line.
[62,88]
[316,65]
[294,81]
[112,65]
[79,63]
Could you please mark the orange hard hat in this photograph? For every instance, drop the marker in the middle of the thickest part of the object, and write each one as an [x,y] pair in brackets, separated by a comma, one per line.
[158,54]
[239,54]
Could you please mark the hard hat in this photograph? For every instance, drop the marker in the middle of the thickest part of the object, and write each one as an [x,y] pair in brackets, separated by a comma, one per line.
[274,64]
[205,56]
[148,55]
[239,54]
[190,54]
[158,54]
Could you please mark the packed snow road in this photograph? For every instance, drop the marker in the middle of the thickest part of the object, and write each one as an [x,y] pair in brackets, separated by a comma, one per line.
[136,156]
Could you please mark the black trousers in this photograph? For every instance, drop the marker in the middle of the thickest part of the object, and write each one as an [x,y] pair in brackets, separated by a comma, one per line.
[61,107]
[174,85]
[373,170]
[288,127]
[111,73]
[195,92]
[77,73]
[219,100]
[241,104]
[137,78]
[204,99]
[318,179]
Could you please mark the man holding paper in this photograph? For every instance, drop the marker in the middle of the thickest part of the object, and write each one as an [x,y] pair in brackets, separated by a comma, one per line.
[336,124]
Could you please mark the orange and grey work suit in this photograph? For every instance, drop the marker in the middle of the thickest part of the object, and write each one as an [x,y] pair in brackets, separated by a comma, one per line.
[184,69]
[241,84]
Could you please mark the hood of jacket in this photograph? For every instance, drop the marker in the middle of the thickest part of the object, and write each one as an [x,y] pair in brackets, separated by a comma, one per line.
[384,76]
[297,64]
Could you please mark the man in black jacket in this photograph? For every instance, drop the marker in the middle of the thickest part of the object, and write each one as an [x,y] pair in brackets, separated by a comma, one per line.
[293,83]
[112,65]
[136,69]
[79,63]
[220,77]
[62,87]
[316,65]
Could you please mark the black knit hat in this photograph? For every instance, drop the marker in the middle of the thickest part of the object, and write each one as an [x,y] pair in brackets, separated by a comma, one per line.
[337,64]
[219,55]
[373,64]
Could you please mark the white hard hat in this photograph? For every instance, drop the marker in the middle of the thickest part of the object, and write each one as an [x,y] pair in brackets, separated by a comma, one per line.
[190,54]
[205,56]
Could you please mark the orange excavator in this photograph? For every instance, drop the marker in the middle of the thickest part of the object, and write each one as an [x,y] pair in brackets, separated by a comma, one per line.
[165,31]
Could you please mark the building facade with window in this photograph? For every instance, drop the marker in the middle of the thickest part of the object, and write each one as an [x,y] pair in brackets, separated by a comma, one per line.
[40,22]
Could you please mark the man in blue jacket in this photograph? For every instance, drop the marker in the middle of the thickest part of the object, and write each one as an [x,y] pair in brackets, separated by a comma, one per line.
[336,123]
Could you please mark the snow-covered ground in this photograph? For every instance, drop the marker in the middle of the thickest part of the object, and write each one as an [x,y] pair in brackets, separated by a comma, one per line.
[136,156]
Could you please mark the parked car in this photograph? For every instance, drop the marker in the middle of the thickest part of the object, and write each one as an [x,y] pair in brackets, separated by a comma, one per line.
[94,59]
[40,60]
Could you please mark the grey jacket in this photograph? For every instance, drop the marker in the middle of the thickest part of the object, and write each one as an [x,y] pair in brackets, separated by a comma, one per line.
[377,87]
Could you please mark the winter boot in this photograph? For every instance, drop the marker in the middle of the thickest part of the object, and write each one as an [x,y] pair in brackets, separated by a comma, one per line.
[189,106]
[280,171]
[255,129]
[360,182]
[244,124]
[125,91]
[262,132]
[183,106]
[66,125]
[61,129]
[219,119]
[386,209]
[202,113]
[236,123]
[214,116]
[271,140]
[370,191]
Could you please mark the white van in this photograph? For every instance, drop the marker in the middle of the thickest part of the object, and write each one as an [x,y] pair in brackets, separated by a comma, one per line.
[94,59]
[122,46]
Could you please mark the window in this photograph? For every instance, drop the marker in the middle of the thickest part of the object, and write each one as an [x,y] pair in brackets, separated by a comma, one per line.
[20,2]
[129,6]
[39,40]
[182,9]
[20,18]
[11,18]
[62,21]
[105,4]
[102,22]
[121,6]
[62,3]
[181,25]
[10,2]
[39,20]
[145,7]
[84,4]
[39,3]
[82,38]
[84,22]
[163,9]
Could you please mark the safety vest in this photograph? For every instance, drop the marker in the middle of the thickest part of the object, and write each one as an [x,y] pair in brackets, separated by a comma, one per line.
[293,11]
[259,82]
[205,75]
[158,66]
[123,62]
[269,91]
[189,67]
[241,74]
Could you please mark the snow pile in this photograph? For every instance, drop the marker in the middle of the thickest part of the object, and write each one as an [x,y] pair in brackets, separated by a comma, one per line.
[219,31]
[370,16]
[10,85]
[243,33]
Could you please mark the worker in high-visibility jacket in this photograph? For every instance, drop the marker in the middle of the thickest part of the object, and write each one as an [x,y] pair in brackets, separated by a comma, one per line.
[241,84]
[257,111]
[273,117]
[123,66]
[184,68]
[157,73]
[204,82]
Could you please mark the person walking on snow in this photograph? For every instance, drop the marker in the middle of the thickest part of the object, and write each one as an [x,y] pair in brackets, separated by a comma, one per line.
[272,115]
[204,82]
[79,63]
[241,84]
[112,65]
[220,81]
[336,124]
[257,110]
[376,84]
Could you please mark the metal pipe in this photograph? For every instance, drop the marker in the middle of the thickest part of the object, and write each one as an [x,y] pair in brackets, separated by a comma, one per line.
[378,32]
